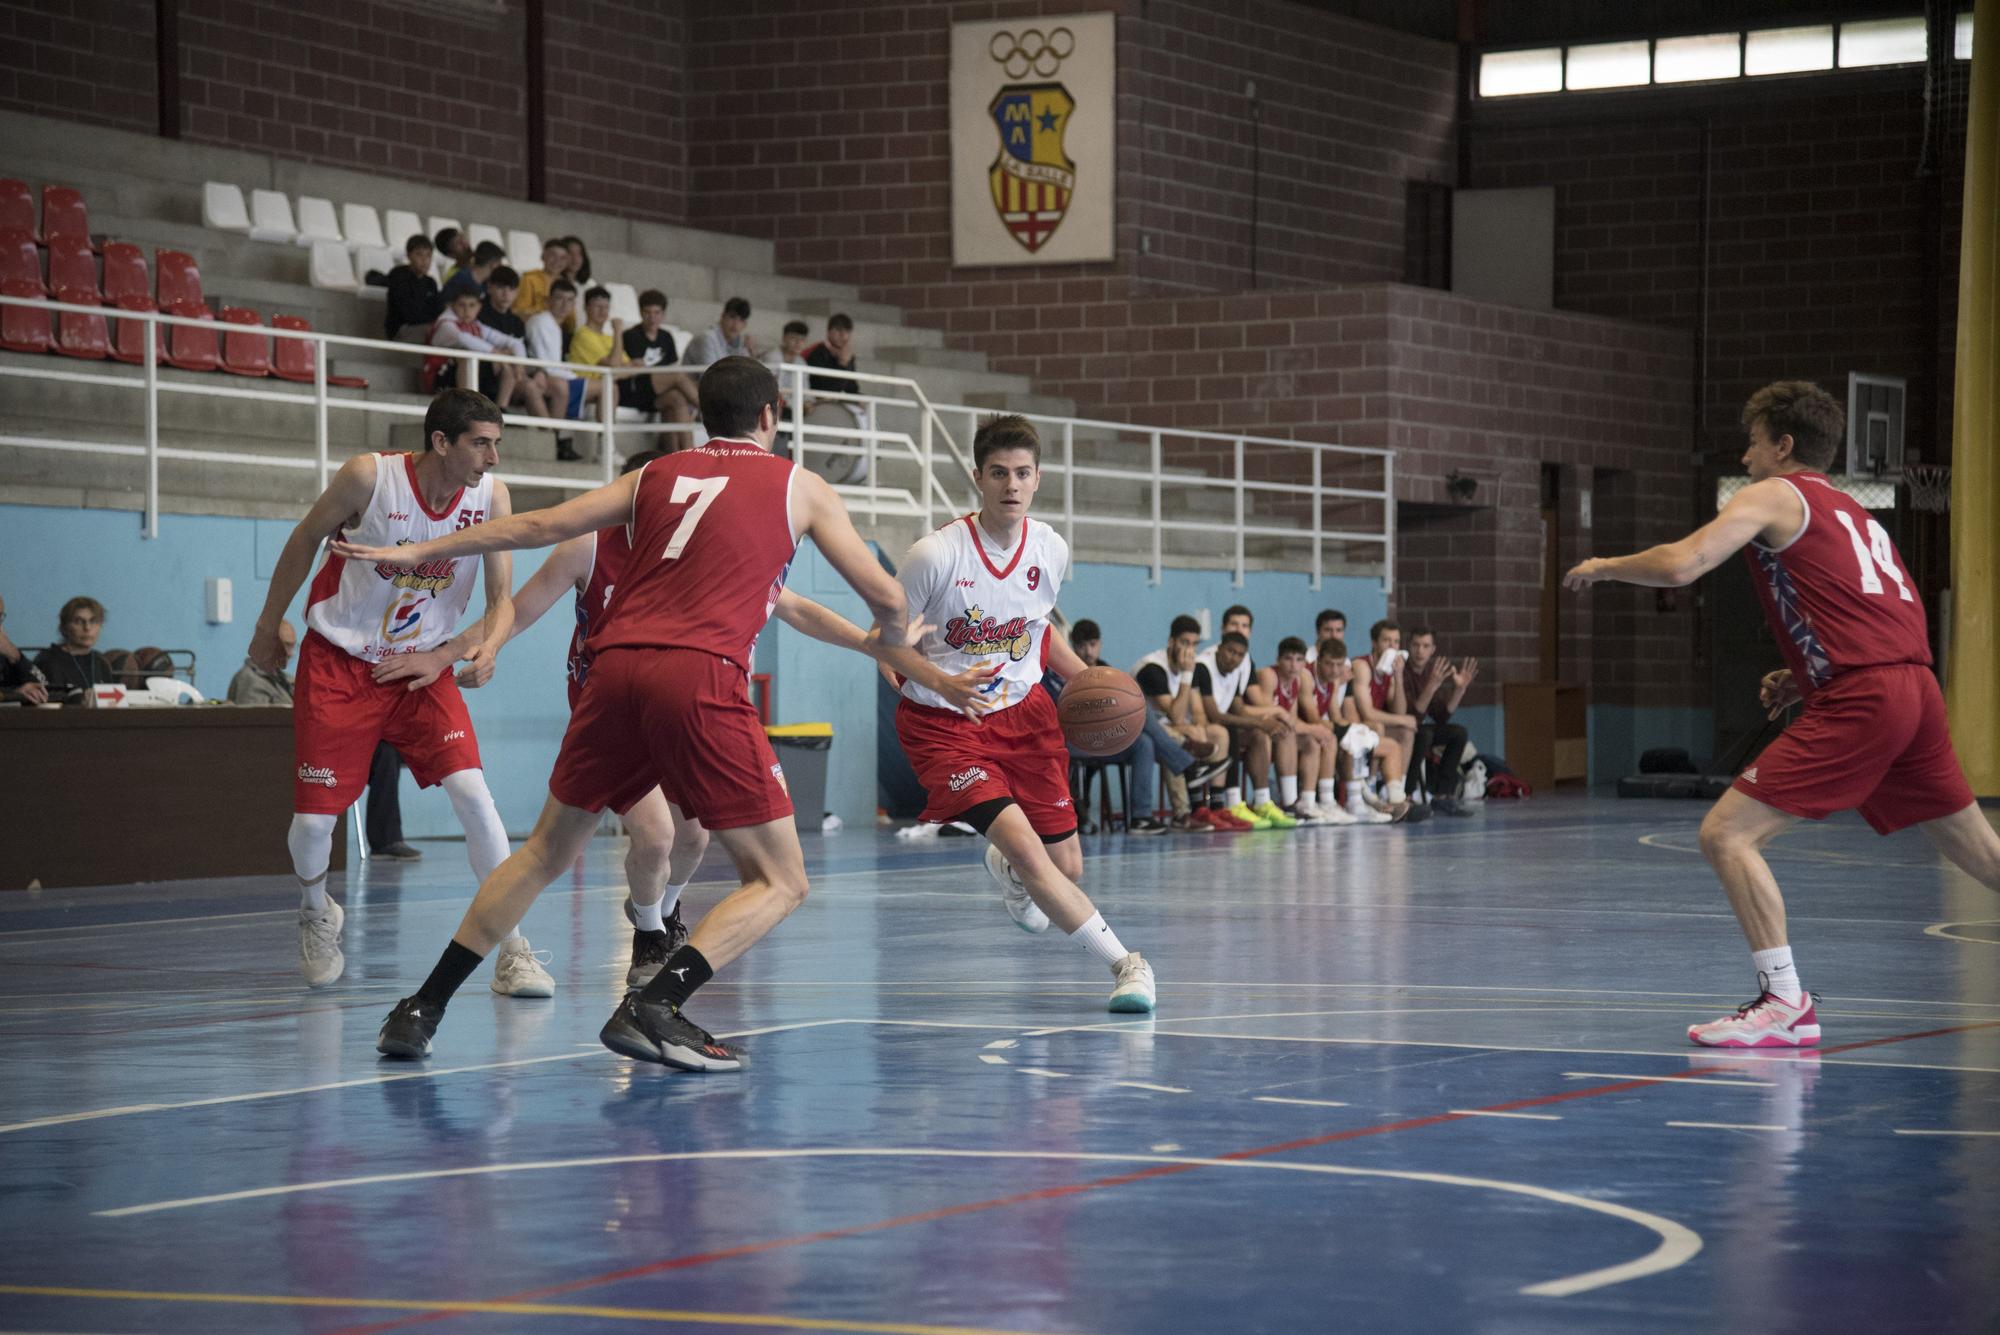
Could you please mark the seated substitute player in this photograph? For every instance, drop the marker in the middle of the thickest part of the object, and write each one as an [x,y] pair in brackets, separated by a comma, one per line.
[1851,627]
[666,701]
[1435,688]
[1329,703]
[1166,678]
[985,584]
[1379,702]
[375,665]
[1287,684]
[1259,734]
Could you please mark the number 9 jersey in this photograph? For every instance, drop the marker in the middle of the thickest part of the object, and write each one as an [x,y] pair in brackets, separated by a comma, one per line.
[985,605]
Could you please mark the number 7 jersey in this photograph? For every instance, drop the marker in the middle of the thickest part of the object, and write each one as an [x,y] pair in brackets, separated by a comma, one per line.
[985,605]
[1838,595]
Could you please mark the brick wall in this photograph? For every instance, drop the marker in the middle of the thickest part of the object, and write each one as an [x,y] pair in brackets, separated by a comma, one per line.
[85,60]
[617,76]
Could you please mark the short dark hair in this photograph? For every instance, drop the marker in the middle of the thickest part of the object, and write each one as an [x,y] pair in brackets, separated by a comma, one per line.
[1012,432]
[418,242]
[737,307]
[1375,631]
[1238,610]
[563,285]
[1805,412]
[454,412]
[1291,644]
[799,327]
[840,320]
[641,459]
[1333,647]
[1422,631]
[503,277]
[1183,625]
[652,296]
[595,293]
[1084,631]
[1329,614]
[1238,638]
[445,238]
[733,392]
[488,252]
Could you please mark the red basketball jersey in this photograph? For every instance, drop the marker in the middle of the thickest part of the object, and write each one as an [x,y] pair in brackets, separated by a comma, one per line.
[607,563]
[1837,595]
[711,543]
[1285,694]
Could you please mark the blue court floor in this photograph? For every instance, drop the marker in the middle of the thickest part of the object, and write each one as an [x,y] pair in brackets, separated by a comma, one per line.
[1401,1079]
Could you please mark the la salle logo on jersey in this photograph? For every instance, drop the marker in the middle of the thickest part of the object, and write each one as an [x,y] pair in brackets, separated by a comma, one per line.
[977,633]
[431,576]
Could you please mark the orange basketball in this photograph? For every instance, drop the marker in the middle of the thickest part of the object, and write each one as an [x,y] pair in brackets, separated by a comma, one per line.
[1102,711]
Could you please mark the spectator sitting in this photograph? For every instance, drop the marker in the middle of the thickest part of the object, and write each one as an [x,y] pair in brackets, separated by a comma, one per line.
[530,386]
[836,354]
[598,340]
[534,295]
[1261,733]
[72,667]
[455,249]
[474,277]
[789,352]
[1166,679]
[252,685]
[1379,700]
[1435,689]
[548,342]
[579,260]
[1330,624]
[669,393]
[459,327]
[414,302]
[20,680]
[727,339]
[1153,748]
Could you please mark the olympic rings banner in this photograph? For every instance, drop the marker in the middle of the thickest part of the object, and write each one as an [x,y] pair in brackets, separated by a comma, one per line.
[1034,140]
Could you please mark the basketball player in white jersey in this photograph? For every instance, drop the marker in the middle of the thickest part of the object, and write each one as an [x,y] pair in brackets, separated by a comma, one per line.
[985,584]
[376,661]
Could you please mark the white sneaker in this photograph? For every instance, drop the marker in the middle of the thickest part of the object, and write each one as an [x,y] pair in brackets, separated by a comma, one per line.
[1334,814]
[320,959]
[1307,812]
[1361,813]
[1134,989]
[517,972]
[1022,909]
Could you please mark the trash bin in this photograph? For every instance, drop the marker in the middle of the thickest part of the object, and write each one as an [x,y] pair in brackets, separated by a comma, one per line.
[802,749]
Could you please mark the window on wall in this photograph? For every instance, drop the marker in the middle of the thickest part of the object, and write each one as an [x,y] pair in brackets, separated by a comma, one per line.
[1713,57]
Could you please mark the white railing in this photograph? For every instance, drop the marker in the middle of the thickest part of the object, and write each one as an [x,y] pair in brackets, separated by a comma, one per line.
[942,484]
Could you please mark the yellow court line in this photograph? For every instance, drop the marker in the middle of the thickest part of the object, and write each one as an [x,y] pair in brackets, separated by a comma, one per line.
[658,1315]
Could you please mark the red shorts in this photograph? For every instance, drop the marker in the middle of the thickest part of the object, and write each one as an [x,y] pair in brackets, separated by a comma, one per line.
[339,713]
[1017,752]
[1874,740]
[678,719]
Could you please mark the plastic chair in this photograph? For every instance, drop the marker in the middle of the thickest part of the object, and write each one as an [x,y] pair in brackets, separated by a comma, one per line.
[244,353]
[478,232]
[524,249]
[20,261]
[63,214]
[438,224]
[295,357]
[222,206]
[82,335]
[624,303]
[362,226]
[129,287]
[1083,774]
[316,221]
[401,225]
[73,278]
[193,347]
[17,208]
[379,259]
[332,267]
[271,217]
[180,283]
[23,328]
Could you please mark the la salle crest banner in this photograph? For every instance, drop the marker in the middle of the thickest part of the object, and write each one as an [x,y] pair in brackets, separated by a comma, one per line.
[1033,142]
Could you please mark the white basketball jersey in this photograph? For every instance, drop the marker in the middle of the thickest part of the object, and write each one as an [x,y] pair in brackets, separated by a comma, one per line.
[374,611]
[985,605]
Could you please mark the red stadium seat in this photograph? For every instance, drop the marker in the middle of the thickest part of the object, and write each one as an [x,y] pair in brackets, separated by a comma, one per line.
[73,278]
[81,335]
[22,328]
[193,347]
[63,214]
[244,353]
[17,208]
[296,357]
[20,261]
[128,287]
[180,284]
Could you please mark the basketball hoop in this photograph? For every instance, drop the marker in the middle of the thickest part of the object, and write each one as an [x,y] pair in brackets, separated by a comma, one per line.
[1930,487]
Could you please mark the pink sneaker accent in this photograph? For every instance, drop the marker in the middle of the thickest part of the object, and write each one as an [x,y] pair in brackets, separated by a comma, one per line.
[1767,1022]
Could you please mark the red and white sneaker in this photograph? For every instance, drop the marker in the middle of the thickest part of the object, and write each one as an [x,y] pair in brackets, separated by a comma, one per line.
[1767,1022]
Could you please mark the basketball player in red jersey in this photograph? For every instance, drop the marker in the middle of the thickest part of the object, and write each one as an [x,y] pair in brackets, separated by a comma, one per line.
[666,702]
[1851,628]
[375,663]
[985,584]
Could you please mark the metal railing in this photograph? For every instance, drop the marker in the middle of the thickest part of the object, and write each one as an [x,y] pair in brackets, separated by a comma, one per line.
[920,438]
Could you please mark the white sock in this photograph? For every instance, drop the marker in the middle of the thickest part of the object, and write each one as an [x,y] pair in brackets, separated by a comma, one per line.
[1326,797]
[1288,789]
[311,841]
[648,916]
[674,896]
[1394,791]
[1098,938]
[1259,796]
[485,836]
[1780,977]
[1232,797]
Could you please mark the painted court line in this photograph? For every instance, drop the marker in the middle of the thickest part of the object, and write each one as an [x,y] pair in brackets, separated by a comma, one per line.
[1730,1126]
[1043,1072]
[1734,1082]
[1157,1089]
[1303,1103]
[992,1060]
[1526,1117]
[1913,1131]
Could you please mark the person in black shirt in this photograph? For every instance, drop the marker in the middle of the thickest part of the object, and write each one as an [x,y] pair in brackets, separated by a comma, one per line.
[670,393]
[19,679]
[414,300]
[836,354]
[74,666]
[530,388]
[474,276]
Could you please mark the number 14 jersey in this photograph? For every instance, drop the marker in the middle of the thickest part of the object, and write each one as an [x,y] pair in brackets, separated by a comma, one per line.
[1838,596]
[985,604]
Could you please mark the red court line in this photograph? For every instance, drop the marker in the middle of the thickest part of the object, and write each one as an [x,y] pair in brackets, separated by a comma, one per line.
[1105,1183]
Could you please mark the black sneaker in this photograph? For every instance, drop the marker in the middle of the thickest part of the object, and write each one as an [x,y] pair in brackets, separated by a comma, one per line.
[566,452]
[651,949]
[648,1031]
[1411,813]
[1145,825]
[1449,806]
[1205,771]
[408,1030]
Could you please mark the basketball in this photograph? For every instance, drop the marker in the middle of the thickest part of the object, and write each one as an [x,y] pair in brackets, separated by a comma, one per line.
[1102,711]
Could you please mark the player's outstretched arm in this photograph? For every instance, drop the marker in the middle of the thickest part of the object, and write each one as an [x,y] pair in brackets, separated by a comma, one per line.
[565,571]
[1769,509]
[823,518]
[1064,660]
[346,496]
[965,691]
[497,626]
[609,504]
